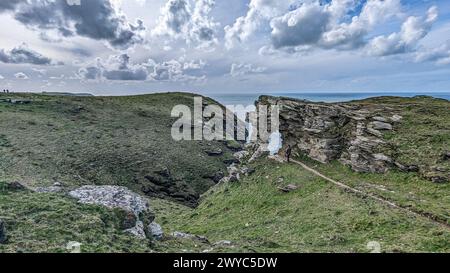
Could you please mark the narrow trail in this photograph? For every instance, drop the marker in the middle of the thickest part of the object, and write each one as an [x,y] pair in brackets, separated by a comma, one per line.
[428,216]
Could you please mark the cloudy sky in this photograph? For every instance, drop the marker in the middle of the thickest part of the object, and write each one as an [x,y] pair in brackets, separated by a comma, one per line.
[112,47]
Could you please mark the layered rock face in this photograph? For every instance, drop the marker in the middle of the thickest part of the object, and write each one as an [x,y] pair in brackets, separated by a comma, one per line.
[347,132]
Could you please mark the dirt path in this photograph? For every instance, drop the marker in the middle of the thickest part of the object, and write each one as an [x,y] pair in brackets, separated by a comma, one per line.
[428,216]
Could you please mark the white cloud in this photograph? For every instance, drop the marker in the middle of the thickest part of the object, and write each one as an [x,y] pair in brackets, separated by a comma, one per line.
[95,19]
[180,19]
[241,69]
[24,55]
[412,31]
[259,11]
[21,76]
[439,55]
[119,68]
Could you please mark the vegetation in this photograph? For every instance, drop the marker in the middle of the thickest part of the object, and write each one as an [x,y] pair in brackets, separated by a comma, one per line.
[104,141]
[125,140]
[39,222]
[318,217]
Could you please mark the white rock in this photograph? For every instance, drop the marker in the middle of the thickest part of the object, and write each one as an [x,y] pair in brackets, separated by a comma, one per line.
[156,231]
[111,197]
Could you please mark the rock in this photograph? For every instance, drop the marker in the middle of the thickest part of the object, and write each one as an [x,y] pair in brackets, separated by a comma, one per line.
[289,188]
[396,118]
[216,177]
[217,152]
[382,119]
[51,189]
[3,237]
[129,221]
[138,231]
[111,197]
[241,155]
[156,231]
[231,161]
[234,178]
[247,171]
[121,198]
[15,186]
[223,243]
[378,125]
[382,157]
[182,235]
[445,155]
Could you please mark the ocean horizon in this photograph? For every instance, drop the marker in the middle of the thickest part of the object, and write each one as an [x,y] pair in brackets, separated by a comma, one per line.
[328,97]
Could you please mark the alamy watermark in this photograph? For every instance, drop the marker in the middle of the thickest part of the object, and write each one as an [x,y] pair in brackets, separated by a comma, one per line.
[234,122]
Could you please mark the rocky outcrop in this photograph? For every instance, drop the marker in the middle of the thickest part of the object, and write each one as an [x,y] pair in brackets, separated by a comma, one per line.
[349,132]
[137,217]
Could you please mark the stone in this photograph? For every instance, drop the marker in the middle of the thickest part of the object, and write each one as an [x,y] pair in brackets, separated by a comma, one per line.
[138,230]
[111,197]
[129,221]
[136,208]
[156,231]
[382,119]
[51,189]
[217,152]
[396,118]
[15,186]
[234,178]
[182,235]
[216,177]
[241,155]
[3,237]
[289,188]
[445,155]
[378,125]
[248,171]
[223,243]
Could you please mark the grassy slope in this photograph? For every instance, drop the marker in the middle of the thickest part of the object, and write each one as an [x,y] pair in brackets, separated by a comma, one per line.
[53,139]
[424,133]
[101,140]
[318,217]
[48,222]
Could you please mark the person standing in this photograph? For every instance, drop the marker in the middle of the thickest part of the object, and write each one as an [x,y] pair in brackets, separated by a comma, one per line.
[288,153]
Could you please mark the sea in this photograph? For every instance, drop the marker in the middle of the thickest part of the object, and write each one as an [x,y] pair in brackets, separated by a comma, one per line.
[250,98]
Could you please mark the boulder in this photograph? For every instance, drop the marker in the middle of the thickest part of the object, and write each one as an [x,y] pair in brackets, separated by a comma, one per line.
[156,231]
[111,197]
[3,237]
[137,211]
[15,186]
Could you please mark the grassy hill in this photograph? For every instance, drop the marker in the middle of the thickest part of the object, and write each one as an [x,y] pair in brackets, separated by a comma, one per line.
[104,141]
[318,217]
[126,141]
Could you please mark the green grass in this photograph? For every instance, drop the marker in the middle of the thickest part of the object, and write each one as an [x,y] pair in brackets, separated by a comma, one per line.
[406,189]
[423,134]
[48,222]
[319,217]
